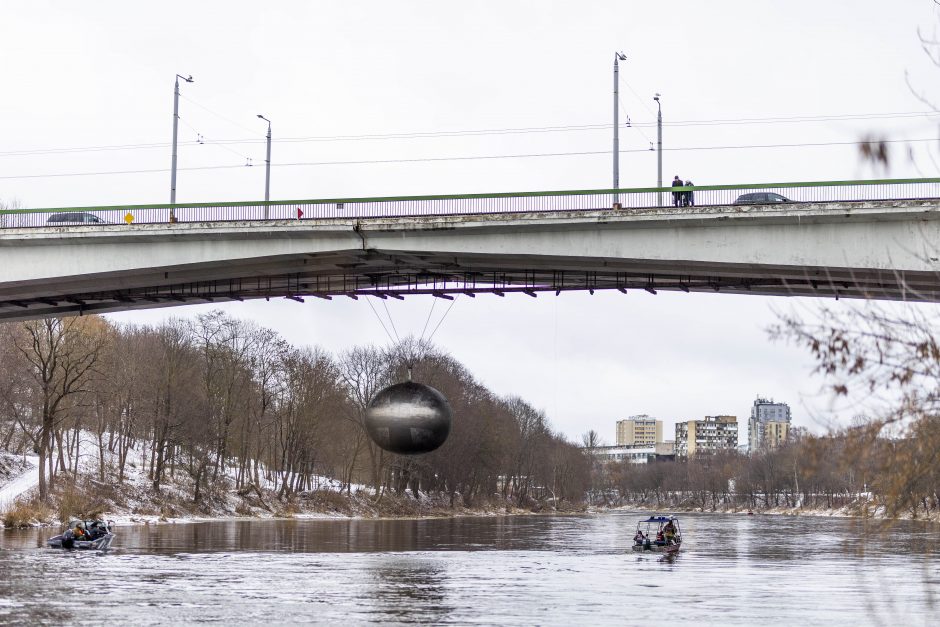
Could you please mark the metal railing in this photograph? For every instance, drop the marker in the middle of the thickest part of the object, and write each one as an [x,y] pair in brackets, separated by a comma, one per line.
[464,204]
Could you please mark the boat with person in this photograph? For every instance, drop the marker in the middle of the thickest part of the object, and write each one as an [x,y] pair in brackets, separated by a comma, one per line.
[658,534]
[93,535]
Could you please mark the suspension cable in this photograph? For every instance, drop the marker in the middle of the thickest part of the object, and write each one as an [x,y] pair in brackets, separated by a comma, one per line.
[391,322]
[441,321]
[433,304]
[379,318]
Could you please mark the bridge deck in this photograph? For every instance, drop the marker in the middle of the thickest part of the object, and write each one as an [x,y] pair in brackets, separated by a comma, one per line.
[844,249]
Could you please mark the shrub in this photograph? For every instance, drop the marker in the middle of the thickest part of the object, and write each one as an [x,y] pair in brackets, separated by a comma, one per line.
[243,509]
[26,514]
[287,510]
[76,503]
[329,501]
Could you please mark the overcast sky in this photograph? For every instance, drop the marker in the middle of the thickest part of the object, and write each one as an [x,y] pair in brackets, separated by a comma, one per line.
[86,120]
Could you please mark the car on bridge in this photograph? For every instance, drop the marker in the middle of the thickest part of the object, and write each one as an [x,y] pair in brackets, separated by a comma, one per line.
[760,198]
[73,218]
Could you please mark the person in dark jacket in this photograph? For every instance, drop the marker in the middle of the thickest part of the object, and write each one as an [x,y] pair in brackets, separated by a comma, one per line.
[689,196]
[676,196]
[669,533]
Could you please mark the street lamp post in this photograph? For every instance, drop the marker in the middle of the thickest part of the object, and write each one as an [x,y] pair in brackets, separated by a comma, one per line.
[267,169]
[176,121]
[659,147]
[618,56]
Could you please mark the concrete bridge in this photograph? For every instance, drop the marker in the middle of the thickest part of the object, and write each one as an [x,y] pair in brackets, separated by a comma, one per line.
[846,239]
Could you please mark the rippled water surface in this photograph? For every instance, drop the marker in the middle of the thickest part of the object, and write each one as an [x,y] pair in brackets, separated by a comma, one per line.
[733,570]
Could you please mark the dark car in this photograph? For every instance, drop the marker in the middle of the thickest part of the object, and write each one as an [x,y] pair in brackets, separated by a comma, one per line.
[760,198]
[74,217]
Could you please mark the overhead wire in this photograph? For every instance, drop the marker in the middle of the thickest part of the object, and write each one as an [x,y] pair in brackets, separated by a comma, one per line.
[498,131]
[639,127]
[202,139]
[218,115]
[629,124]
[460,158]
[639,98]
[224,144]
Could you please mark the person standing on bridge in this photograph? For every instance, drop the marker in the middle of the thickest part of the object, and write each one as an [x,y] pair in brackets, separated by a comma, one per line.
[676,196]
[688,196]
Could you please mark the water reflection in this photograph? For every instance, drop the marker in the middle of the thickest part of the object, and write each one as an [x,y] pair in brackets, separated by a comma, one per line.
[522,570]
[411,587]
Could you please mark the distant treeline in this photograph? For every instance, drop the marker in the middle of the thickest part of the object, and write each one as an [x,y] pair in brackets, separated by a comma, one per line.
[859,466]
[217,396]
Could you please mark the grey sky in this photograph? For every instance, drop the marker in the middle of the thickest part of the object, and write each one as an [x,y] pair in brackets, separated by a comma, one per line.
[101,75]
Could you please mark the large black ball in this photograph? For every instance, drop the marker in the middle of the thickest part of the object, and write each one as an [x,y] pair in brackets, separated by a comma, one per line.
[408,418]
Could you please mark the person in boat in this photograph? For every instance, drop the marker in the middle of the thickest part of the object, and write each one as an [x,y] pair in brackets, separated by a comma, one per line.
[73,533]
[80,533]
[639,538]
[659,537]
[99,529]
[669,533]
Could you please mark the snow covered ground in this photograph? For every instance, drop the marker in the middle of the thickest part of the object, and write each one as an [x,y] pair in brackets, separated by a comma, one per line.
[21,484]
[134,501]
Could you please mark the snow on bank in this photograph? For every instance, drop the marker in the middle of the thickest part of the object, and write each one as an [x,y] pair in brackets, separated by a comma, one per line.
[134,501]
[21,484]
[863,508]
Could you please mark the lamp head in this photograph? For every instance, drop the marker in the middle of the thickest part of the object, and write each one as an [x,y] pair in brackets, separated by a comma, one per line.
[621,56]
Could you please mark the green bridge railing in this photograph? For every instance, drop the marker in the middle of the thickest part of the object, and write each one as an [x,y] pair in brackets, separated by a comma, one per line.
[461,204]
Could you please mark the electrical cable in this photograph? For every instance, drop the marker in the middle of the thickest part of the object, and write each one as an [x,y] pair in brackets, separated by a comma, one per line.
[639,99]
[460,158]
[631,125]
[205,140]
[470,133]
[218,115]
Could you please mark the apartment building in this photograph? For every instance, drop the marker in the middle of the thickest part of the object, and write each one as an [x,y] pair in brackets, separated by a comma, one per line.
[641,430]
[765,412]
[711,435]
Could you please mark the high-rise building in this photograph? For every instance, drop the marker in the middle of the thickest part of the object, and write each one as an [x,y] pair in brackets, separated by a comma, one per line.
[711,435]
[639,431]
[764,412]
[776,433]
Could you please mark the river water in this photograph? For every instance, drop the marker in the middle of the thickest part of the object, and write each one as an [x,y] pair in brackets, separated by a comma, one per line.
[524,570]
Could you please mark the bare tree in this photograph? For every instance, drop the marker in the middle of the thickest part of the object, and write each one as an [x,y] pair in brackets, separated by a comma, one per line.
[61,355]
[363,371]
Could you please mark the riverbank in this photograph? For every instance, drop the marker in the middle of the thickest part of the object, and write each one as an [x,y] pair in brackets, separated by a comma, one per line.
[860,507]
[136,501]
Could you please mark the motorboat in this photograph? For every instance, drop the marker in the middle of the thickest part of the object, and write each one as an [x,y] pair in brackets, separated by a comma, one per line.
[658,534]
[99,536]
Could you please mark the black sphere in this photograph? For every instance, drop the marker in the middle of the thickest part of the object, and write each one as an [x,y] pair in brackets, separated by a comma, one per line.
[408,418]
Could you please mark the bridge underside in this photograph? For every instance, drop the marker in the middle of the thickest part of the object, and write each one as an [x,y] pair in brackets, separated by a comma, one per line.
[398,274]
[884,250]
